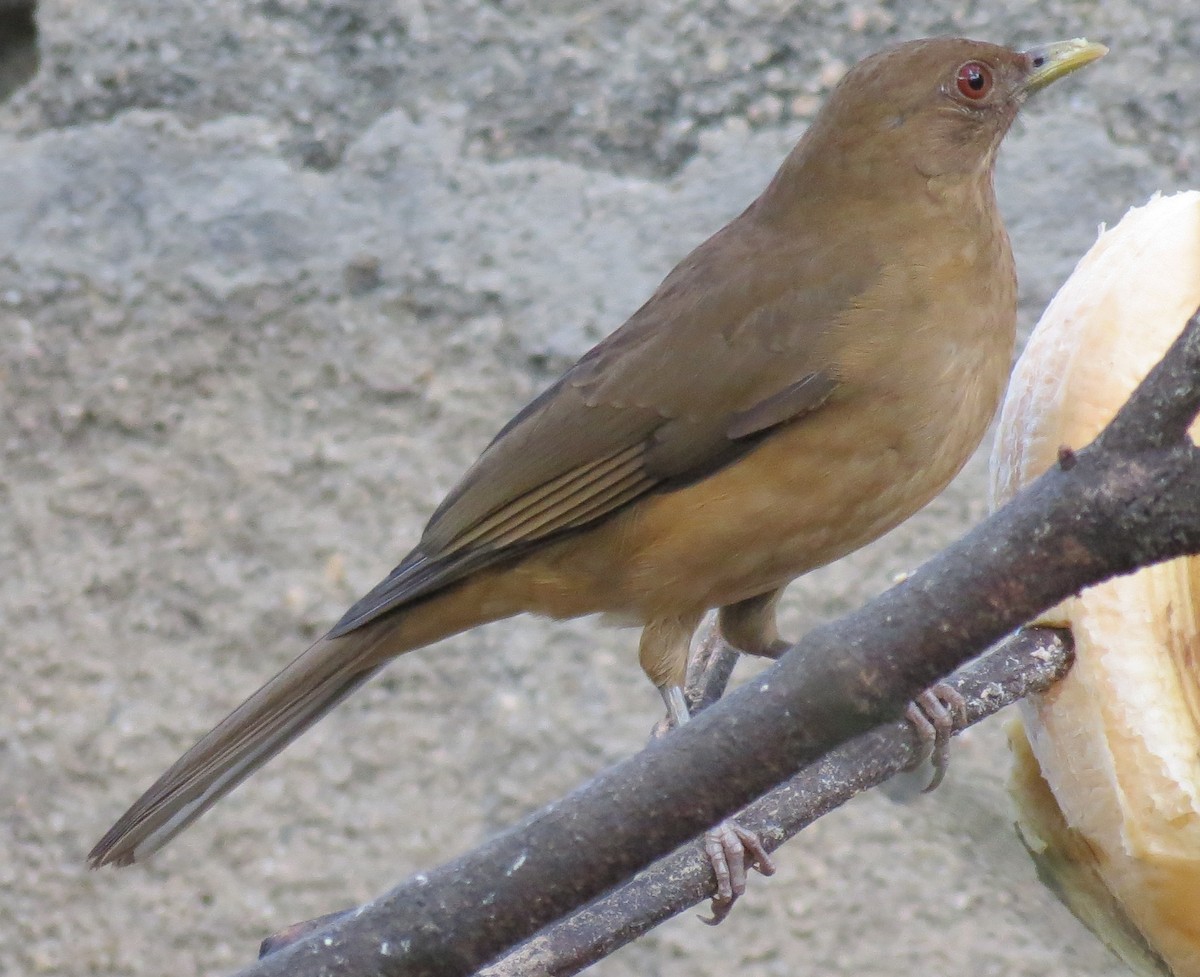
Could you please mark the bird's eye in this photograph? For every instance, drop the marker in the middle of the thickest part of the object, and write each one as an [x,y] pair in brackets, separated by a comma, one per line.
[974,80]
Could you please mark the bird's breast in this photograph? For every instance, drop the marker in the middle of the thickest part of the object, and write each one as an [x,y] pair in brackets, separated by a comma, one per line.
[924,360]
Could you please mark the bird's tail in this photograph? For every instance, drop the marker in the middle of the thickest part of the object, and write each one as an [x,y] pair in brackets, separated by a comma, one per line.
[276,714]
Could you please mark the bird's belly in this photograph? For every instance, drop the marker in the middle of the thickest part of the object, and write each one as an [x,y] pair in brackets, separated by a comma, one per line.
[809,494]
[804,499]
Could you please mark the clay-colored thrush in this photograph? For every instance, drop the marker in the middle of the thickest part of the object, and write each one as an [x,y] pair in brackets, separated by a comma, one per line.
[807,378]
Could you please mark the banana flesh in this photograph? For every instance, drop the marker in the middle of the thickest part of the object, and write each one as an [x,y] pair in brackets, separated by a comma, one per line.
[1107,763]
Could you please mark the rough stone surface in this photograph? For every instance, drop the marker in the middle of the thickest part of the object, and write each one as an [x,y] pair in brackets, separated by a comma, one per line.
[271,273]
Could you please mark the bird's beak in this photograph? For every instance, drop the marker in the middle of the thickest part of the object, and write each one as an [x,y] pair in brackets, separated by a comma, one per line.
[1049,62]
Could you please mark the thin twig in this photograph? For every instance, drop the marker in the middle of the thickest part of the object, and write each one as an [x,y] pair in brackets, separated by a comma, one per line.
[1160,411]
[1028,662]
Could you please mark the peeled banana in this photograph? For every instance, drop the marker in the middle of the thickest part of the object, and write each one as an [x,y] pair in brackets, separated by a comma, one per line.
[1107,763]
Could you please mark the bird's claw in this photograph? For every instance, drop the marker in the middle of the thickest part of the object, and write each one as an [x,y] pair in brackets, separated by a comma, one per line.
[936,714]
[731,849]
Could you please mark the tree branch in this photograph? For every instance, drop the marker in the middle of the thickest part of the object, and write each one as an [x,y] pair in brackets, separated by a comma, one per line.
[1030,661]
[1120,503]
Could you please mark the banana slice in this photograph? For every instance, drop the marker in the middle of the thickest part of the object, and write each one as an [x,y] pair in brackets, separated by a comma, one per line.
[1107,764]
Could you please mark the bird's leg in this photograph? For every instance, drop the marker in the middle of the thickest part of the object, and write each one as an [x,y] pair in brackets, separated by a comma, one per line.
[730,848]
[750,627]
[935,716]
[663,654]
[677,710]
[710,666]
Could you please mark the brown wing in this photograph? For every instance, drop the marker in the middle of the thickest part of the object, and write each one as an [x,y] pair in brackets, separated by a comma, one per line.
[726,349]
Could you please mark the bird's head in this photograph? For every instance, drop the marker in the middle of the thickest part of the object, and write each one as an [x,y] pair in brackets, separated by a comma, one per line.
[939,105]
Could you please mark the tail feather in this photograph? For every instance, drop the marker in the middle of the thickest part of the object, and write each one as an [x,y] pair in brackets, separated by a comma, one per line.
[253,733]
[288,704]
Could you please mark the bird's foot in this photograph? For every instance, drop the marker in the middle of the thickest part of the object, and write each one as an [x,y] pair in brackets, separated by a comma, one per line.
[731,850]
[936,714]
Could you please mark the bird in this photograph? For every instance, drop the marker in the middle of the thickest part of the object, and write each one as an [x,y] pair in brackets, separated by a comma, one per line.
[802,382]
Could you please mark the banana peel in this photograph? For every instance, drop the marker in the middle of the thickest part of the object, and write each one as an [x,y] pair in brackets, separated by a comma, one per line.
[1107,763]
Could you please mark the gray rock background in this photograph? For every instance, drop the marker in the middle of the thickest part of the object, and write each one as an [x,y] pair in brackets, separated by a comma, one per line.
[271,274]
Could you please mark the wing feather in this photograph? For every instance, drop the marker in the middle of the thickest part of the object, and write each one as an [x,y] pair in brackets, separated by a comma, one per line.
[726,350]
[539,505]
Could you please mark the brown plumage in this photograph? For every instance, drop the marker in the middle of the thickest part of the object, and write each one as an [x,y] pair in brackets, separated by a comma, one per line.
[803,381]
